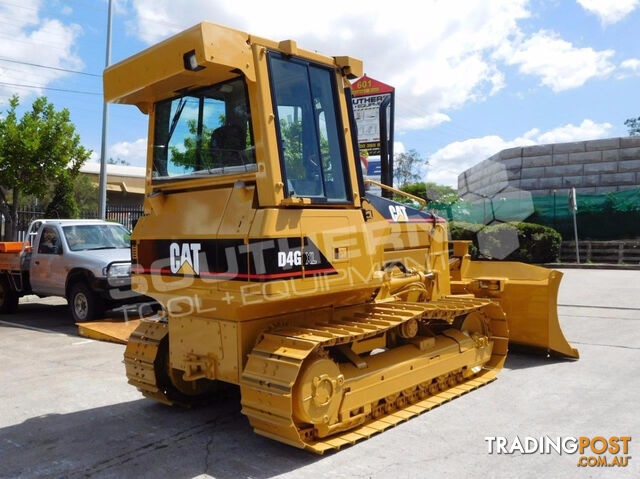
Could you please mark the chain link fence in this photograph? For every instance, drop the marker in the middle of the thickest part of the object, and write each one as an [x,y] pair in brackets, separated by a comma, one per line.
[613,216]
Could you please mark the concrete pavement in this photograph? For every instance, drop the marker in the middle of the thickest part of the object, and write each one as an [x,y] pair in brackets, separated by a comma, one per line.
[67,411]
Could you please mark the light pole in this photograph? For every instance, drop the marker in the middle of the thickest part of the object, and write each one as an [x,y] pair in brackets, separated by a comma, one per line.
[554,209]
[105,124]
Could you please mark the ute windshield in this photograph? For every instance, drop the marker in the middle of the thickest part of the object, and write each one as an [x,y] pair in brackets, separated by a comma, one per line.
[94,237]
[205,132]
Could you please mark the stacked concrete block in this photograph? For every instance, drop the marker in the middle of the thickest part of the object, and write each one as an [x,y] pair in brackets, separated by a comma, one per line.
[592,167]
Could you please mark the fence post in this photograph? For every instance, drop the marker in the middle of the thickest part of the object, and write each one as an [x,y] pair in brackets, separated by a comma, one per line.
[589,251]
[621,253]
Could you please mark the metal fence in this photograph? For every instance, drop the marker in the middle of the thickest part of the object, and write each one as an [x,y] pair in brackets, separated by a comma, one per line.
[617,252]
[127,215]
[24,220]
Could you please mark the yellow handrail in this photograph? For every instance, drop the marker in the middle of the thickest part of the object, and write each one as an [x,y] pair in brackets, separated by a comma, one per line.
[422,201]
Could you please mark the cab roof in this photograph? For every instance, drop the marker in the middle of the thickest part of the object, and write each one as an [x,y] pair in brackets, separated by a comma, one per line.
[221,53]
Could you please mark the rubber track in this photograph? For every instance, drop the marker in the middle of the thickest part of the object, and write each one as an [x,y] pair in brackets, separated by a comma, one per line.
[273,366]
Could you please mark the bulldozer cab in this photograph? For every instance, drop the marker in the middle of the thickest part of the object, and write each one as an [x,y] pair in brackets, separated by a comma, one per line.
[226,106]
[209,132]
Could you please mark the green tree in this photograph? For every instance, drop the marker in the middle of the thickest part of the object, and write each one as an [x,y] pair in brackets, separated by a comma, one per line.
[433,192]
[63,204]
[406,166]
[35,149]
[118,161]
[291,132]
[187,154]
[633,124]
[86,194]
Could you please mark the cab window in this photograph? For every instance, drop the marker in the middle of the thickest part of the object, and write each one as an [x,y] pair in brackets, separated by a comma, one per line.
[311,148]
[49,242]
[206,132]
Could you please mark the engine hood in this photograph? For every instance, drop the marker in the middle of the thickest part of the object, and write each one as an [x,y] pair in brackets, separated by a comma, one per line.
[106,256]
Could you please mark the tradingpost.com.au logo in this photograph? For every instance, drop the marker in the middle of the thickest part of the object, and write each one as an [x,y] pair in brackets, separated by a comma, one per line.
[596,451]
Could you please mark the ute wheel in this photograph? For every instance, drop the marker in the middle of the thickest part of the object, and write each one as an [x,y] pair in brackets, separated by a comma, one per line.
[8,297]
[85,303]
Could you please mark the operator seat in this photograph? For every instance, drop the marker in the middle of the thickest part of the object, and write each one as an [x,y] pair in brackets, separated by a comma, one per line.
[227,146]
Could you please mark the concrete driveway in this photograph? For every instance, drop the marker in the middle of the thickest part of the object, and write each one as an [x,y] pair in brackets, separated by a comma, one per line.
[67,411]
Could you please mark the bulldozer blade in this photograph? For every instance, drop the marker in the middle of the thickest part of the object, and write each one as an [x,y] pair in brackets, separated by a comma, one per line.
[112,331]
[529,297]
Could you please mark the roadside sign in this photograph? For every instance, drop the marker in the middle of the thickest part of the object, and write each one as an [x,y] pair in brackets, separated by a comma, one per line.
[368,94]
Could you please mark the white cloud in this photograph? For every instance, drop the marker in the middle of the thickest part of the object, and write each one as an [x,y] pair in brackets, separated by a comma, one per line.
[629,68]
[631,64]
[421,122]
[41,41]
[559,64]
[448,162]
[609,11]
[133,152]
[437,54]
[587,130]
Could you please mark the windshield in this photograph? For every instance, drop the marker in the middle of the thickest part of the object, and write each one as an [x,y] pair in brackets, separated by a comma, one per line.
[207,132]
[93,237]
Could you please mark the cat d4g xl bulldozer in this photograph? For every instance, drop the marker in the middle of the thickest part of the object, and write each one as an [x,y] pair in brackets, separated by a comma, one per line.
[337,312]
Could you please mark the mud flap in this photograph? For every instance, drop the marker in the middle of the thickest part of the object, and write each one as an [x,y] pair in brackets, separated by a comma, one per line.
[112,331]
[529,297]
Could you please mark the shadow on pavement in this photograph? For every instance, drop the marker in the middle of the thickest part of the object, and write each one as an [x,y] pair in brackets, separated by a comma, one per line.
[51,317]
[145,439]
[55,318]
[522,360]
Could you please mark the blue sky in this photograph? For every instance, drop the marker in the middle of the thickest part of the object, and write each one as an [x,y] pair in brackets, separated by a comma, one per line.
[471,77]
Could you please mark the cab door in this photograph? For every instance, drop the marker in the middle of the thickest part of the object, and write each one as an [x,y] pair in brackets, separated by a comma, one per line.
[47,272]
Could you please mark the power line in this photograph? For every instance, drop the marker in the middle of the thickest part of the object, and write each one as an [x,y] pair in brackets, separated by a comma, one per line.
[37,87]
[88,5]
[52,45]
[14,29]
[50,67]
[19,6]
[83,4]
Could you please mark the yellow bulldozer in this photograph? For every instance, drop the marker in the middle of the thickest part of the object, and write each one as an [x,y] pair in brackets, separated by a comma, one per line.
[337,312]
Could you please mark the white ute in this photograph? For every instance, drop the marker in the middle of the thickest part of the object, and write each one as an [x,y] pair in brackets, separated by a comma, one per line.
[86,261]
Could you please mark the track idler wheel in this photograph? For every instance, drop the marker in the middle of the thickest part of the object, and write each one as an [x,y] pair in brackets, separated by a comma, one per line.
[474,323]
[318,392]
